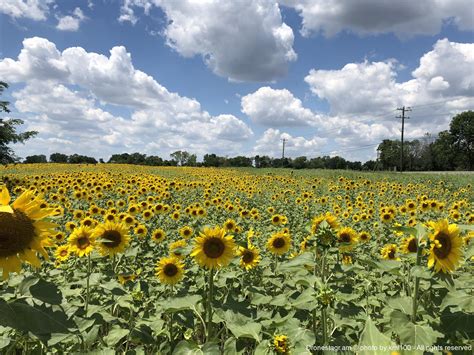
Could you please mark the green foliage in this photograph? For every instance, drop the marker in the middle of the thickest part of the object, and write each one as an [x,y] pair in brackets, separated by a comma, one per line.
[8,133]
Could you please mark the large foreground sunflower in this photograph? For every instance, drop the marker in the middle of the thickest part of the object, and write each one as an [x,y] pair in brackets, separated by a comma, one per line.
[213,249]
[111,238]
[446,244]
[279,243]
[170,270]
[23,231]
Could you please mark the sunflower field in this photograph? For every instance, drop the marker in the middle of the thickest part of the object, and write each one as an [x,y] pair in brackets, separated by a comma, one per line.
[141,260]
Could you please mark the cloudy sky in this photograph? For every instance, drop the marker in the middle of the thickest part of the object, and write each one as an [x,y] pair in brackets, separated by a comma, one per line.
[98,77]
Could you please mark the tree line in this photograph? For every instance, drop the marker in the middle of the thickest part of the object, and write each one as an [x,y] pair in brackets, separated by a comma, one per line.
[451,149]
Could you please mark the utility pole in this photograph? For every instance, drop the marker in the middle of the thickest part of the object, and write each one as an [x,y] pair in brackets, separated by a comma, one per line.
[403,117]
[283,151]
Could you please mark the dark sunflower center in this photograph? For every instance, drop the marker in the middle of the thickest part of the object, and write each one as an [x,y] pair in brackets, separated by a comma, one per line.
[63,252]
[278,243]
[83,242]
[111,238]
[345,238]
[445,248]
[391,254]
[214,248]
[16,232]
[187,232]
[170,270]
[412,245]
[386,216]
[248,257]
[363,236]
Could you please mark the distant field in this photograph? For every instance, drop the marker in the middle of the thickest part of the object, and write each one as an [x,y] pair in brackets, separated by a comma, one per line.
[234,261]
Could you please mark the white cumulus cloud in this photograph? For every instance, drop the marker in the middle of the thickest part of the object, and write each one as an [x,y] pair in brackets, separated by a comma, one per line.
[405,18]
[71,22]
[160,120]
[243,40]
[31,9]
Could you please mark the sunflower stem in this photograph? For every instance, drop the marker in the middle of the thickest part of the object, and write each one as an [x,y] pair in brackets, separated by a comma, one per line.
[87,281]
[171,320]
[417,286]
[209,304]
[323,309]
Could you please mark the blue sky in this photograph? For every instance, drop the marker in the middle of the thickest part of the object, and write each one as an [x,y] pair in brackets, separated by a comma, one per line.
[100,77]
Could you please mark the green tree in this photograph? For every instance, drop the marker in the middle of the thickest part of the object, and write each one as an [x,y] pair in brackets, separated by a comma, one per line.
[34,159]
[462,133]
[442,152]
[58,158]
[181,157]
[8,133]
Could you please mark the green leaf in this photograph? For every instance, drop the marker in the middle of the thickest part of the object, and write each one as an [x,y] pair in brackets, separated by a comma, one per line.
[457,322]
[40,320]
[115,335]
[185,347]
[297,263]
[372,338]
[259,299]
[403,304]
[421,272]
[26,283]
[181,303]
[414,335]
[398,319]
[460,300]
[241,326]
[47,292]
[4,342]
[306,300]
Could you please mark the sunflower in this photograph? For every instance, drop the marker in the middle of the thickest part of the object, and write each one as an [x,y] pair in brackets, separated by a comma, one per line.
[140,231]
[62,253]
[276,219]
[347,238]
[82,241]
[23,231]
[230,225]
[186,232]
[124,278]
[158,235]
[170,270]
[176,248]
[409,245]
[389,252]
[386,217]
[346,259]
[364,236]
[58,237]
[446,244]
[279,243]
[328,217]
[213,249]
[112,238]
[281,344]
[249,257]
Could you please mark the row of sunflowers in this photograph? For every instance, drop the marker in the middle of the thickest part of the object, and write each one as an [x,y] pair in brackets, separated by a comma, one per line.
[177,260]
